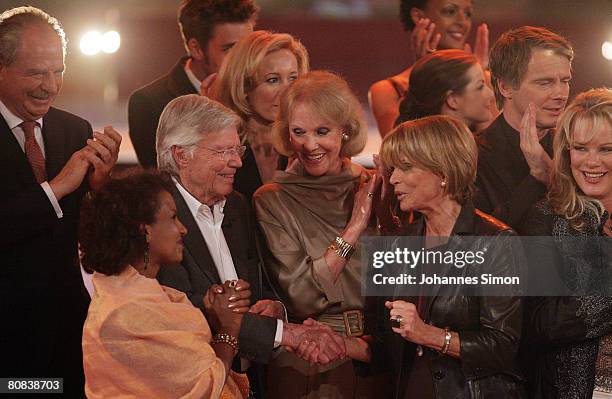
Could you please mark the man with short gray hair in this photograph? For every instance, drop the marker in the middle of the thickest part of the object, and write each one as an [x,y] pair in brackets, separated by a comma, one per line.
[49,158]
[198,145]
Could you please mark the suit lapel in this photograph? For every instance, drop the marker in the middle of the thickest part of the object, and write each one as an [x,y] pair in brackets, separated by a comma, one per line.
[229,226]
[193,240]
[55,145]
[179,84]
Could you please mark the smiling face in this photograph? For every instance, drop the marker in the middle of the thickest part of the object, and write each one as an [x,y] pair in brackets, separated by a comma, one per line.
[207,176]
[315,141]
[277,70]
[165,235]
[30,84]
[591,160]
[545,84]
[453,19]
[417,188]
[473,104]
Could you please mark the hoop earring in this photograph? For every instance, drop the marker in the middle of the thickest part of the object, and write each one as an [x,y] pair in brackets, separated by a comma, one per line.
[345,137]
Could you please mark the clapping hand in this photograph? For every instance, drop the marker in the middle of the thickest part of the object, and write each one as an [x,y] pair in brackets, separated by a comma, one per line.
[481,46]
[106,148]
[423,38]
[538,160]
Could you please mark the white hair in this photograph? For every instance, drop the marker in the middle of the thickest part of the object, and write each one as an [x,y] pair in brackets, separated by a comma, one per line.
[183,123]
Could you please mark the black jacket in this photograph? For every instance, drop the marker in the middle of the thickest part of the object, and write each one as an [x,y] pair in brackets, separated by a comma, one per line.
[489,328]
[146,105]
[506,190]
[561,334]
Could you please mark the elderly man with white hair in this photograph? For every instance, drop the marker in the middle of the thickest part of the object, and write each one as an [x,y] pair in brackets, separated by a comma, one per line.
[198,145]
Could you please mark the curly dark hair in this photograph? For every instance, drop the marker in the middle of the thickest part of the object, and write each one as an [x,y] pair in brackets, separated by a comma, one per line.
[405,7]
[110,228]
[198,18]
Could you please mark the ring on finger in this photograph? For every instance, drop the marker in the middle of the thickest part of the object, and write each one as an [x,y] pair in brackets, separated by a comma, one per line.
[233,283]
[396,321]
[370,194]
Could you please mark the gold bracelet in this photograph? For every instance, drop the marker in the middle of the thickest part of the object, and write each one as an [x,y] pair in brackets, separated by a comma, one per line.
[223,338]
[342,248]
[447,340]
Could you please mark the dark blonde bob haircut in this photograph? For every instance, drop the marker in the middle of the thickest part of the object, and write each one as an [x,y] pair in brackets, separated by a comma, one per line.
[441,144]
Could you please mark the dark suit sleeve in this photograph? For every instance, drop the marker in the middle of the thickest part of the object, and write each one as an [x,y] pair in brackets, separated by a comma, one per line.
[30,213]
[143,120]
[257,337]
[513,210]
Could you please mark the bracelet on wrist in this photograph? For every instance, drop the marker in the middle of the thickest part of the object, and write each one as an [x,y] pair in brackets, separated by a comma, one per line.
[342,248]
[223,338]
[447,340]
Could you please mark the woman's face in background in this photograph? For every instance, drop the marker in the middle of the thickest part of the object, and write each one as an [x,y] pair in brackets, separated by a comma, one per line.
[165,235]
[453,19]
[591,160]
[317,142]
[277,70]
[474,102]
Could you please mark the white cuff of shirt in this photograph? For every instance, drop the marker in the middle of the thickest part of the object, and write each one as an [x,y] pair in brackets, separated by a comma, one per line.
[278,337]
[56,206]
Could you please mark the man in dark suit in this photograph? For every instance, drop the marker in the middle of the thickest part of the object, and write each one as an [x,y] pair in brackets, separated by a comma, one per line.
[47,161]
[531,70]
[209,29]
[198,145]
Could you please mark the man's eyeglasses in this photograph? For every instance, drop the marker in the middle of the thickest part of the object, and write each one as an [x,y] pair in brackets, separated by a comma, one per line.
[226,154]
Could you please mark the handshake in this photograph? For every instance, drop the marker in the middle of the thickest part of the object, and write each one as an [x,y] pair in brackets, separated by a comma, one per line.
[312,341]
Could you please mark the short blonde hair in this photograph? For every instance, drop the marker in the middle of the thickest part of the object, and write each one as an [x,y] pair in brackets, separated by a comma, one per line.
[238,73]
[441,144]
[330,96]
[590,109]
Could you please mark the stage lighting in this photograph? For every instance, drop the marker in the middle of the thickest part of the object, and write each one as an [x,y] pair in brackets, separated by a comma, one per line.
[606,50]
[91,43]
[111,41]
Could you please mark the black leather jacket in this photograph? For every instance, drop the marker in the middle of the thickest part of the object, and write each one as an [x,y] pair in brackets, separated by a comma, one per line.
[489,329]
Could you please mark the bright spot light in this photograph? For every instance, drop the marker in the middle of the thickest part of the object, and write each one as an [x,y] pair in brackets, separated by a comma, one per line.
[111,42]
[606,50]
[91,43]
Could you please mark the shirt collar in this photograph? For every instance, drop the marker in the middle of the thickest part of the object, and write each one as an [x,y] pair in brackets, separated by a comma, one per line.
[197,83]
[13,120]
[192,202]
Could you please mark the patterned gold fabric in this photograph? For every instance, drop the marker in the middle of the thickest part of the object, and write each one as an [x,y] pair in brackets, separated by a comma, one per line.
[143,340]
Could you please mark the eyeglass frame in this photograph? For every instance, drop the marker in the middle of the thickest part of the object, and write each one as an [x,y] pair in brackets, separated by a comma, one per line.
[225,155]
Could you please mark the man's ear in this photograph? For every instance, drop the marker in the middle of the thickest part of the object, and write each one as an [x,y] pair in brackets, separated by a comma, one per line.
[505,89]
[181,156]
[416,14]
[196,52]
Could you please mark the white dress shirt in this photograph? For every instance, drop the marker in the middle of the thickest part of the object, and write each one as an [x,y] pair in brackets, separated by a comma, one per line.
[209,222]
[14,123]
[197,83]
